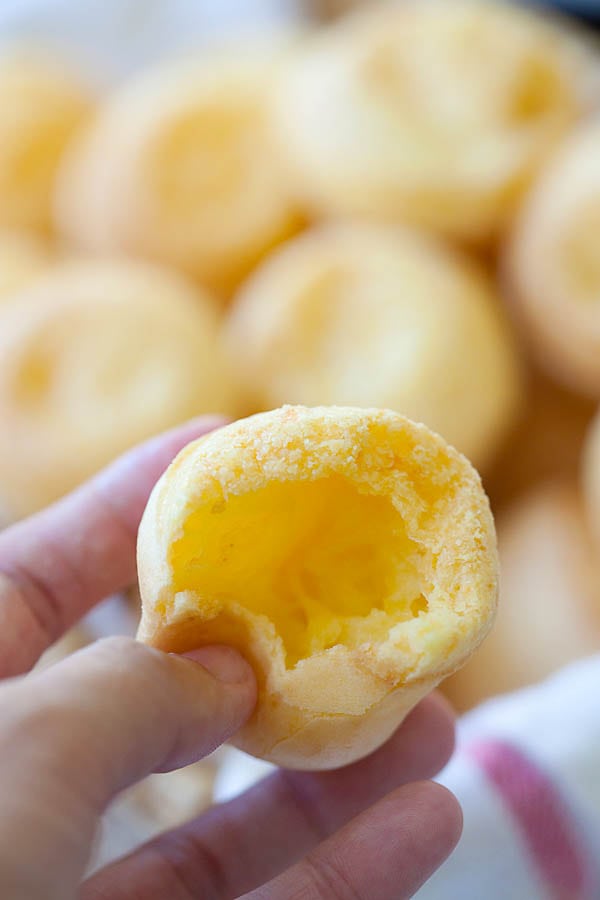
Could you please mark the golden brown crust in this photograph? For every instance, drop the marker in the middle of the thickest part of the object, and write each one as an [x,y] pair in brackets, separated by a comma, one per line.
[549,587]
[341,700]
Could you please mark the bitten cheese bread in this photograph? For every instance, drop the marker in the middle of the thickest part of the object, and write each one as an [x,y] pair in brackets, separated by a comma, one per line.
[349,554]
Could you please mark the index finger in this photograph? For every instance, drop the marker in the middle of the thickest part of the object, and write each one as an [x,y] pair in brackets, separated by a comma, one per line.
[58,564]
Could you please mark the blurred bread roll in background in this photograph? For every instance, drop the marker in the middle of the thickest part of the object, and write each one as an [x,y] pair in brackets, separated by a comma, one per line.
[553,263]
[349,554]
[437,113]
[374,315]
[179,166]
[546,442]
[42,104]
[549,608]
[94,357]
[23,256]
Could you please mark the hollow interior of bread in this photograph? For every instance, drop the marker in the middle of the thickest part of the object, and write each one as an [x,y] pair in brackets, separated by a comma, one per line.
[324,562]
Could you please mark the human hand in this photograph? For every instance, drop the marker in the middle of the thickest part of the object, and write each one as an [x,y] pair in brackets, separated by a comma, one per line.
[76,734]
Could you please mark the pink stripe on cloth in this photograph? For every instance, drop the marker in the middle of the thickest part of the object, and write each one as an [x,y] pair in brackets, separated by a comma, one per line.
[542,815]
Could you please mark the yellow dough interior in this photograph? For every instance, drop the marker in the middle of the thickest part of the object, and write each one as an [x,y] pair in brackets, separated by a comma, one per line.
[325,563]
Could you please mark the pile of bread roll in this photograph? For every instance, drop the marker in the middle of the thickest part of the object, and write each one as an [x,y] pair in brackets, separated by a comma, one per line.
[398,209]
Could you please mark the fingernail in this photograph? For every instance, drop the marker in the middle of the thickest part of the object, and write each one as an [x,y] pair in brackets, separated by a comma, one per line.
[224,663]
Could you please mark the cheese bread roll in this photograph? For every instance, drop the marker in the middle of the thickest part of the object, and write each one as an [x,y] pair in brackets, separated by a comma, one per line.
[42,104]
[437,113]
[94,357]
[23,257]
[376,315]
[552,263]
[349,554]
[179,166]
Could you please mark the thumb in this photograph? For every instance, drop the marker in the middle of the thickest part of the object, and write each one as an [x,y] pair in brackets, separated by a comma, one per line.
[75,734]
[118,710]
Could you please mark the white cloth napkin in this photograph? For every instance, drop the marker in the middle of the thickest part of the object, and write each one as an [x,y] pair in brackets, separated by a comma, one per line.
[527,774]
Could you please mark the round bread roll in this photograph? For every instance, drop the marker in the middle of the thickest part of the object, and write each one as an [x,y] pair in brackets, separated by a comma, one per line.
[553,263]
[435,113]
[545,444]
[41,106]
[94,357]
[23,257]
[178,166]
[549,610]
[349,554]
[374,315]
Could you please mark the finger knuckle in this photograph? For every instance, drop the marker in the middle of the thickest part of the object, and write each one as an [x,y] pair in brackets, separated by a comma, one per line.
[117,645]
[124,654]
[190,861]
